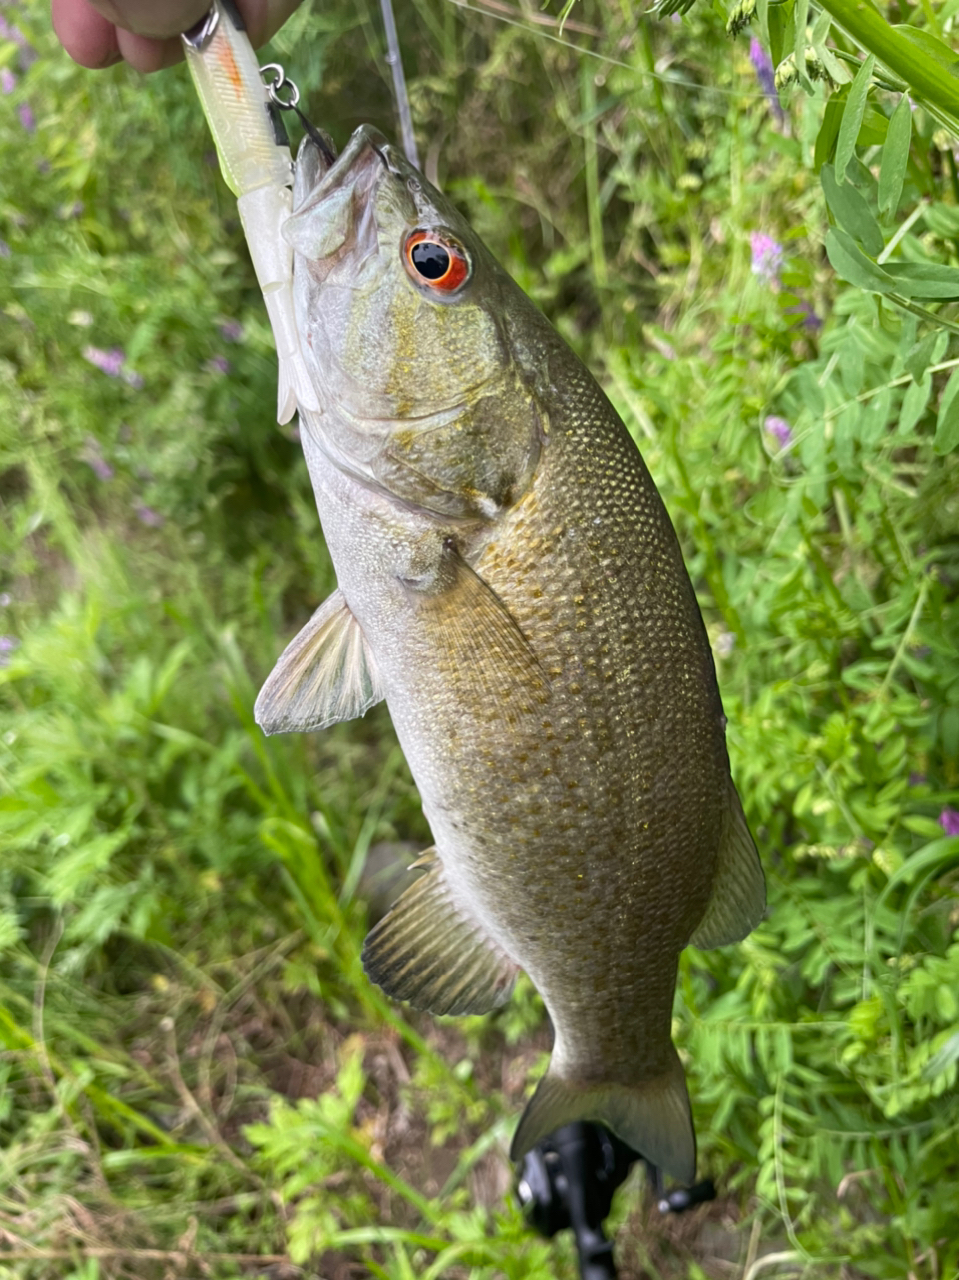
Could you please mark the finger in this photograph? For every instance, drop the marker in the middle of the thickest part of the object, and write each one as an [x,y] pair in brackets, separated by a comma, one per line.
[151,18]
[262,18]
[147,54]
[88,37]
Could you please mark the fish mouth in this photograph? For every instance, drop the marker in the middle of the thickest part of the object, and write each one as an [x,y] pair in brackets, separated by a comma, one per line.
[319,170]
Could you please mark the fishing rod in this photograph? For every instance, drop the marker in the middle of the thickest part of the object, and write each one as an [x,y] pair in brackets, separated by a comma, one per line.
[568,1181]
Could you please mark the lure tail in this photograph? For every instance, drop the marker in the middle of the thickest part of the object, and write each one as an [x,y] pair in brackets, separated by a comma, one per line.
[256,165]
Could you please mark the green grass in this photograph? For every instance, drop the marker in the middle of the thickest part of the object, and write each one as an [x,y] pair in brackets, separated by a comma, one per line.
[195,1077]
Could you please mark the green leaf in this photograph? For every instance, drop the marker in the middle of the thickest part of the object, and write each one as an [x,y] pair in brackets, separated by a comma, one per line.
[931,46]
[874,127]
[849,261]
[875,417]
[829,129]
[852,117]
[947,424]
[914,404]
[942,220]
[837,71]
[895,157]
[777,34]
[821,27]
[923,279]
[851,211]
[928,350]
[801,17]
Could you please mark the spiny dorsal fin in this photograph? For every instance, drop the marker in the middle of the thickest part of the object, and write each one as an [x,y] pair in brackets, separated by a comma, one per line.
[325,674]
[653,1116]
[427,951]
[739,890]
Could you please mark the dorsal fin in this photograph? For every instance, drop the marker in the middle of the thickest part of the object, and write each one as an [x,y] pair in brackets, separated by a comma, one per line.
[739,890]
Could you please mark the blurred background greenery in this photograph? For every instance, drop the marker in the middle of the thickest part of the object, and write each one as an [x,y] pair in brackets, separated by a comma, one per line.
[195,1077]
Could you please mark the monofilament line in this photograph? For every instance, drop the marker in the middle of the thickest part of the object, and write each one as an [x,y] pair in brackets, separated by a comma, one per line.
[399,84]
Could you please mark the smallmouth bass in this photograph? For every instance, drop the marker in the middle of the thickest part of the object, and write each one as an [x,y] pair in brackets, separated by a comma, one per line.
[509,581]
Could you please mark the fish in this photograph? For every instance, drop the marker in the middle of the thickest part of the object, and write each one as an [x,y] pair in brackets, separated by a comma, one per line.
[510,583]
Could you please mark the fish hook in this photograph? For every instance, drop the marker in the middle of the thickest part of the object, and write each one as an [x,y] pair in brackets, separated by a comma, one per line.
[274,88]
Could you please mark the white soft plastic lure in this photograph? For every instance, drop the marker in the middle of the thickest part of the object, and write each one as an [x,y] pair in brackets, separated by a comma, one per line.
[256,165]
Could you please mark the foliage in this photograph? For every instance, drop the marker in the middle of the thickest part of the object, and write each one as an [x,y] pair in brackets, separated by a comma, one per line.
[196,1078]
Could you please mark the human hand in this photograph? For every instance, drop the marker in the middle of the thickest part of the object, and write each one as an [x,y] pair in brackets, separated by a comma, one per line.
[98,33]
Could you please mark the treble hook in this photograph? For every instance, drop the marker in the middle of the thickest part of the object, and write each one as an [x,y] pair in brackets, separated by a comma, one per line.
[281,81]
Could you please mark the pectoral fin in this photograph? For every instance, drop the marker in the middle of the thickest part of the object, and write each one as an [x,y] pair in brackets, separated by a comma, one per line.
[489,662]
[326,673]
[739,889]
[426,950]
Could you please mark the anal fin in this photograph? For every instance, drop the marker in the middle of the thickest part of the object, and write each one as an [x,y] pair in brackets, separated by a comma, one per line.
[325,674]
[739,890]
[429,952]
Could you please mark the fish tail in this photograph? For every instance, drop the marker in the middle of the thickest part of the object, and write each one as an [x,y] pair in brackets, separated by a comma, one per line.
[653,1117]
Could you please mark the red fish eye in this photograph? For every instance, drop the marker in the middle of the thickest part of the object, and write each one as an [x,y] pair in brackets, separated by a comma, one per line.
[436,261]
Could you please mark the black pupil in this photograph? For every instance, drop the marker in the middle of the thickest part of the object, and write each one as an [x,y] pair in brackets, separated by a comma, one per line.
[430,260]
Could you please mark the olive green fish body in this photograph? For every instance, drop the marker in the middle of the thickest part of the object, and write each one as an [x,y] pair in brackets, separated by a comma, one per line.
[510,582]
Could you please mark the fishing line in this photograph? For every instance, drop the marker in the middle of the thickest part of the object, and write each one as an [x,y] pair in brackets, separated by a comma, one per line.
[395,62]
[605,57]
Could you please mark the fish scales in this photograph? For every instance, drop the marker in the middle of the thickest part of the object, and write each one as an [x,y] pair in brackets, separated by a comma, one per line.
[510,582]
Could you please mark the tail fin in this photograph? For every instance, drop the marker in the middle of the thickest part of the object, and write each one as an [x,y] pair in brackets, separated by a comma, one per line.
[653,1117]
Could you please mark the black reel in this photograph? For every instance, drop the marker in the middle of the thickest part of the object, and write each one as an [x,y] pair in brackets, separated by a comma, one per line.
[569,1181]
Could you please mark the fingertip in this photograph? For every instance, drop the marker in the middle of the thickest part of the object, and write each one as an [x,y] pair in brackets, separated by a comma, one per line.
[88,37]
[146,54]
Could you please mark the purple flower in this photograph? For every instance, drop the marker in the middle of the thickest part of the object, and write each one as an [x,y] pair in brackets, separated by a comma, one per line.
[231,331]
[28,55]
[949,821]
[109,362]
[218,364]
[917,779]
[779,428]
[8,81]
[7,645]
[807,317]
[765,74]
[146,515]
[767,257]
[95,460]
[27,119]
[4,249]
[112,363]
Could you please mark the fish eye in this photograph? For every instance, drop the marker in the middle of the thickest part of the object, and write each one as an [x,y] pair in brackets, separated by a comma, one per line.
[436,260]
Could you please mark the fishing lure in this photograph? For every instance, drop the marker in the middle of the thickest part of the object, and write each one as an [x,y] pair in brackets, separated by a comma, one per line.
[255,160]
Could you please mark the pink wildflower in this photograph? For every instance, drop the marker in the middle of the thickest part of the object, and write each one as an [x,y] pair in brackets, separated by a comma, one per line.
[146,515]
[109,362]
[779,428]
[767,257]
[949,821]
